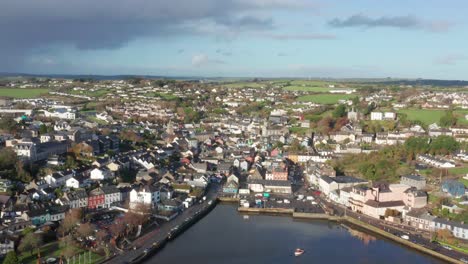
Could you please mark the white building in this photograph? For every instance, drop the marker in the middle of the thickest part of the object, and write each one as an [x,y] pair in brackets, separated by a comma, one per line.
[146,195]
[100,174]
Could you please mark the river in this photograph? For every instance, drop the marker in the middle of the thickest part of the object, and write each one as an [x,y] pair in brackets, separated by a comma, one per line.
[225,236]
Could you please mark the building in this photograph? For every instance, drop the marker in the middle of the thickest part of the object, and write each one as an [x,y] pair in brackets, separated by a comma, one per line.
[453,188]
[417,181]
[77,198]
[147,195]
[420,219]
[96,199]
[458,230]
[101,174]
[232,185]
[112,196]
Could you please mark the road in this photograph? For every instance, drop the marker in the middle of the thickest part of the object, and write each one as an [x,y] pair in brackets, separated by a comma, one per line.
[416,236]
[160,233]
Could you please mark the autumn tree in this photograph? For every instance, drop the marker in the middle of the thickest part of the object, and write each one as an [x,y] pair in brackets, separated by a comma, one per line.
[85,230]
[82,150]
[69,222]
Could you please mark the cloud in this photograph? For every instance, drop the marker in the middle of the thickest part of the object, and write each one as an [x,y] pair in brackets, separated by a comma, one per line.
[32,25]
[297,36]
[401,22]
[180,51]
[282,54]
[201,59]
[451,59]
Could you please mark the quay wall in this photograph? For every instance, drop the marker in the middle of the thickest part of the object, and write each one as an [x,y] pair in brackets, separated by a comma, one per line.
[352,222]
[397,239]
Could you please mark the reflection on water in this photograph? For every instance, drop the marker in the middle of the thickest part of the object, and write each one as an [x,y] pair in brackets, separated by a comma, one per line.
[364,237]
[227,237]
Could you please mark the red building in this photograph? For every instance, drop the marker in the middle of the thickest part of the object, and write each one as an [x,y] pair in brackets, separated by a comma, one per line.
[96,199]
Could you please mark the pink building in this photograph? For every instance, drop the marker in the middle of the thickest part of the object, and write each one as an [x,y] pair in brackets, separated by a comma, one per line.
[382,197]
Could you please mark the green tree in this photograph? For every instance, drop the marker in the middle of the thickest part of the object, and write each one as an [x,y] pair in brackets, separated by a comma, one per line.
[415,146]
[43,129]
[448,119]
[339,111]
[11,258]
[443,145]
[30,242]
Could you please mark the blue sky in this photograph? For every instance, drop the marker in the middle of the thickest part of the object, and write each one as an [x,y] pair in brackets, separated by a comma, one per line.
[230,38]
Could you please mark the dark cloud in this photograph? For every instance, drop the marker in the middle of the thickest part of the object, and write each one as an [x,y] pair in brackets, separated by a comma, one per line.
[401,22]
[30,25]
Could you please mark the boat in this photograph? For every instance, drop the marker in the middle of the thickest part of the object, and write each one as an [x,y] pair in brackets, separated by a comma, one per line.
[298,252]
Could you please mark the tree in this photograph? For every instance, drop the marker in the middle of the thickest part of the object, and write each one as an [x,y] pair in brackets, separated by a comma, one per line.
[444,145]
[448,119]
[30,242]
[8,158]
[82,150]
[69,222]
[85,230]
[43,129]
[340,111]
[11,258]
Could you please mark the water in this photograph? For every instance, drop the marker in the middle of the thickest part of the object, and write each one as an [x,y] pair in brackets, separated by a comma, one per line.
[225,236]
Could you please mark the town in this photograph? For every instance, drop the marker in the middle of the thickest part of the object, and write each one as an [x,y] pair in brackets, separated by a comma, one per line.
[108,170]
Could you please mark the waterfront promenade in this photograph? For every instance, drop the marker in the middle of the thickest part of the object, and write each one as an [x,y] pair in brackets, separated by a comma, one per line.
[159,235]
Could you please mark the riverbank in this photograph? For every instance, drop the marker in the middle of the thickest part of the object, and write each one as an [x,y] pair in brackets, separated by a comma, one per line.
[350,221]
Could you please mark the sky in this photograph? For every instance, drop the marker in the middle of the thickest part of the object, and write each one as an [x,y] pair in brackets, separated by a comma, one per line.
[237,38]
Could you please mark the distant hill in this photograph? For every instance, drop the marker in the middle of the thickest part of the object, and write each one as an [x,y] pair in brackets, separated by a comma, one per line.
[428,82]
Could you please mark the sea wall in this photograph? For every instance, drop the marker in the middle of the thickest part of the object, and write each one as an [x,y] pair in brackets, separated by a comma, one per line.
[407,243]
[266,210]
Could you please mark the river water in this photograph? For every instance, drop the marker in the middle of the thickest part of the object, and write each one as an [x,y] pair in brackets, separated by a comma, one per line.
[225,236]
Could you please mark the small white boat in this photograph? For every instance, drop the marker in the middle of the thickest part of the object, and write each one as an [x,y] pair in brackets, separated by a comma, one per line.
[298,252]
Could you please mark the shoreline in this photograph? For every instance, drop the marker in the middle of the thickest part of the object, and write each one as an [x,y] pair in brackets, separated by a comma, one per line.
[352,222]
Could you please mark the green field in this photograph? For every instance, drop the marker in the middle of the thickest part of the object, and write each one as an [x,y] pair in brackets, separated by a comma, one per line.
[459,170]
[460,114]
[317,89]
[245,84]
[325,98]
[54,250]
[23,92]
[426,116]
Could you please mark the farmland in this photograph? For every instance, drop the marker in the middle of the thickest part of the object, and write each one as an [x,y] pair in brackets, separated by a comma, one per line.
[317,89]
[428,116]
[325,98]
[22,92]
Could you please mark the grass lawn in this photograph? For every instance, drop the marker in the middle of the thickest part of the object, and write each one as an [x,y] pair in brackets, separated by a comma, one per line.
[298,130]
[426,116]
[432,198]
[53,250]
[22,93]
[325,98]
[97,120]
[245,84]
[460,114]
[317,89]
[465,182]
[457,248]
[459,170]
